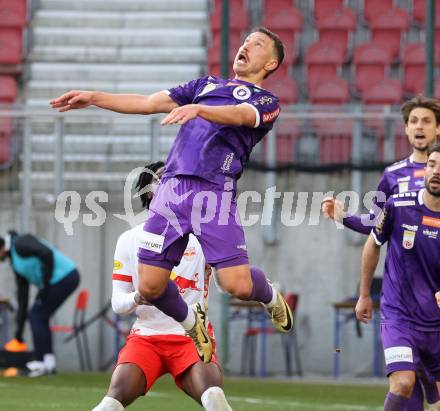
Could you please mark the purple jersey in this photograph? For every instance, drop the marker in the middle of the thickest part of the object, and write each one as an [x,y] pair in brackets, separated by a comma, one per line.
[400,177]
[217,152]
[412,264]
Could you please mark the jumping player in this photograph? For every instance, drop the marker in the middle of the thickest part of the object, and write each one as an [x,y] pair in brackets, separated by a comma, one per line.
[222,120]
[410,317]
[157,344]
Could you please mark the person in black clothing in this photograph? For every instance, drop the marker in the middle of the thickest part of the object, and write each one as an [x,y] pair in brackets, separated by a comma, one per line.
[35,261]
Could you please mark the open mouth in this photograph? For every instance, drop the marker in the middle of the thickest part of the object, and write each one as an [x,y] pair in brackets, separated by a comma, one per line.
[419,136]
[242,57]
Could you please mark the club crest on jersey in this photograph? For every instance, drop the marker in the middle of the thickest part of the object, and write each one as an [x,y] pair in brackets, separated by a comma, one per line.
[408,239]
[117,265]
[241,93]
[209,87]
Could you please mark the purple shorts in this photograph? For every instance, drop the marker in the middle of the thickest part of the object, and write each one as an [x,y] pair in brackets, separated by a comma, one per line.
[407,349]
[189,204]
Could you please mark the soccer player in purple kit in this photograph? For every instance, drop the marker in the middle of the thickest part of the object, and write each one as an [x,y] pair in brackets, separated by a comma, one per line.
[410,316]
[421,117]
[222,120]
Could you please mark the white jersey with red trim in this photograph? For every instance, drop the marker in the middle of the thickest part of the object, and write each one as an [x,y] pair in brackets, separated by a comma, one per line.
[189,277]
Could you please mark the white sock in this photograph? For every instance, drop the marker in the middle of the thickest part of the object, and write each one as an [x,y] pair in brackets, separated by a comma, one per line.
[49,362]
[273,301]
[434,407]
[189,321]
[109,404]
[213,399]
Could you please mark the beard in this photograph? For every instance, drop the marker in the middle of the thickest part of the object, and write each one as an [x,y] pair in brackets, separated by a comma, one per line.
[433,192]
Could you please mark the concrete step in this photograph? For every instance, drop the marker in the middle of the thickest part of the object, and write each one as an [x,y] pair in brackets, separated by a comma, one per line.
[116,19]
[150,55]
[114,72]
[100,145]
[170,37]
[127,159]
[125,5]
[44,89]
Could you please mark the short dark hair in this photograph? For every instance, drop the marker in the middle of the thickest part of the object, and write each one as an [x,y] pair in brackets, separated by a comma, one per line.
[278,45]
[145,178]
[2,242]
[434,149]
[423,102]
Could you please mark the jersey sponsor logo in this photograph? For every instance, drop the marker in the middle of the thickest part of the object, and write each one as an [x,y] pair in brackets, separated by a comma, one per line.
[419,173]
[228,161]
[408,239]
[419,183]
[404,203]
[398,354]
[263,100]
[151,242]
[431,221]
[268,117]
[402,179]
[117,265]
[241,93]
[184,284]
[242,247]
[430,233]
[403,187]
[209,87]
[410,227]
[189,253]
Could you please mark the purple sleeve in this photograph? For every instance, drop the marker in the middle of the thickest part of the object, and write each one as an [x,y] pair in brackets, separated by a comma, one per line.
[383,227]
[185,93]
[267,109]
[356,223]
[384,188]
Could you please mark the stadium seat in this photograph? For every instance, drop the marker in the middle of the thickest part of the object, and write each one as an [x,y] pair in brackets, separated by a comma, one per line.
[437,89]
[325,7]
[387,28]
[78,330]
[13,13]
[283,87]
[286,22]
[238,18]
[388,91]
[374,8]
[288,134]
[8,89]
[336,26]
[419,12]
[214,54]
[323,63]
[371,63]
[333,91]
[11,44]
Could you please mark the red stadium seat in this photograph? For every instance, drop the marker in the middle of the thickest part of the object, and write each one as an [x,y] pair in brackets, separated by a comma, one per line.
[214,53]
[388,27]
[437,89]
[326,7]
[371,62]
[334,91]
[273,6]
[238,18]
[12,13]
[419,12]
[8,89]
[336,26]
[11,45]
[374,8]
[288,133]
[283,87]
[286,23]
[388,91]
[323,63]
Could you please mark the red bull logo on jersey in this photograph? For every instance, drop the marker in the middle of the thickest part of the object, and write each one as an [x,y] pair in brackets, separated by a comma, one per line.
[184,284]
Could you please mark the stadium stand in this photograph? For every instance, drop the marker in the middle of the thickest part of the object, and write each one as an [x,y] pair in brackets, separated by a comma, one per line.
[323,8]
[374,8]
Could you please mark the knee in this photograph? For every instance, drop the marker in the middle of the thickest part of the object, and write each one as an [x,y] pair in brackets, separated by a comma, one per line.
[151,290]
[37,317]
[240,286]
[121,393]
[402,385]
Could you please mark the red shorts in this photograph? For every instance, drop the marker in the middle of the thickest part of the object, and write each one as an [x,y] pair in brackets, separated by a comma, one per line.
[157,355]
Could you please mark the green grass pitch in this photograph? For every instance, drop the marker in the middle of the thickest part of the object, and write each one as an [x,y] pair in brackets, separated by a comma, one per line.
[82,391]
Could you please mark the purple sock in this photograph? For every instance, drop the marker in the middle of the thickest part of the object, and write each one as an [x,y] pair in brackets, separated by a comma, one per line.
[261,290]
[416,401]
[171,303]
[395,403]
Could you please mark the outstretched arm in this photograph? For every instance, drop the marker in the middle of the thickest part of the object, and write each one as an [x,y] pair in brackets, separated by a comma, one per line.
[159,102]
[239,115]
